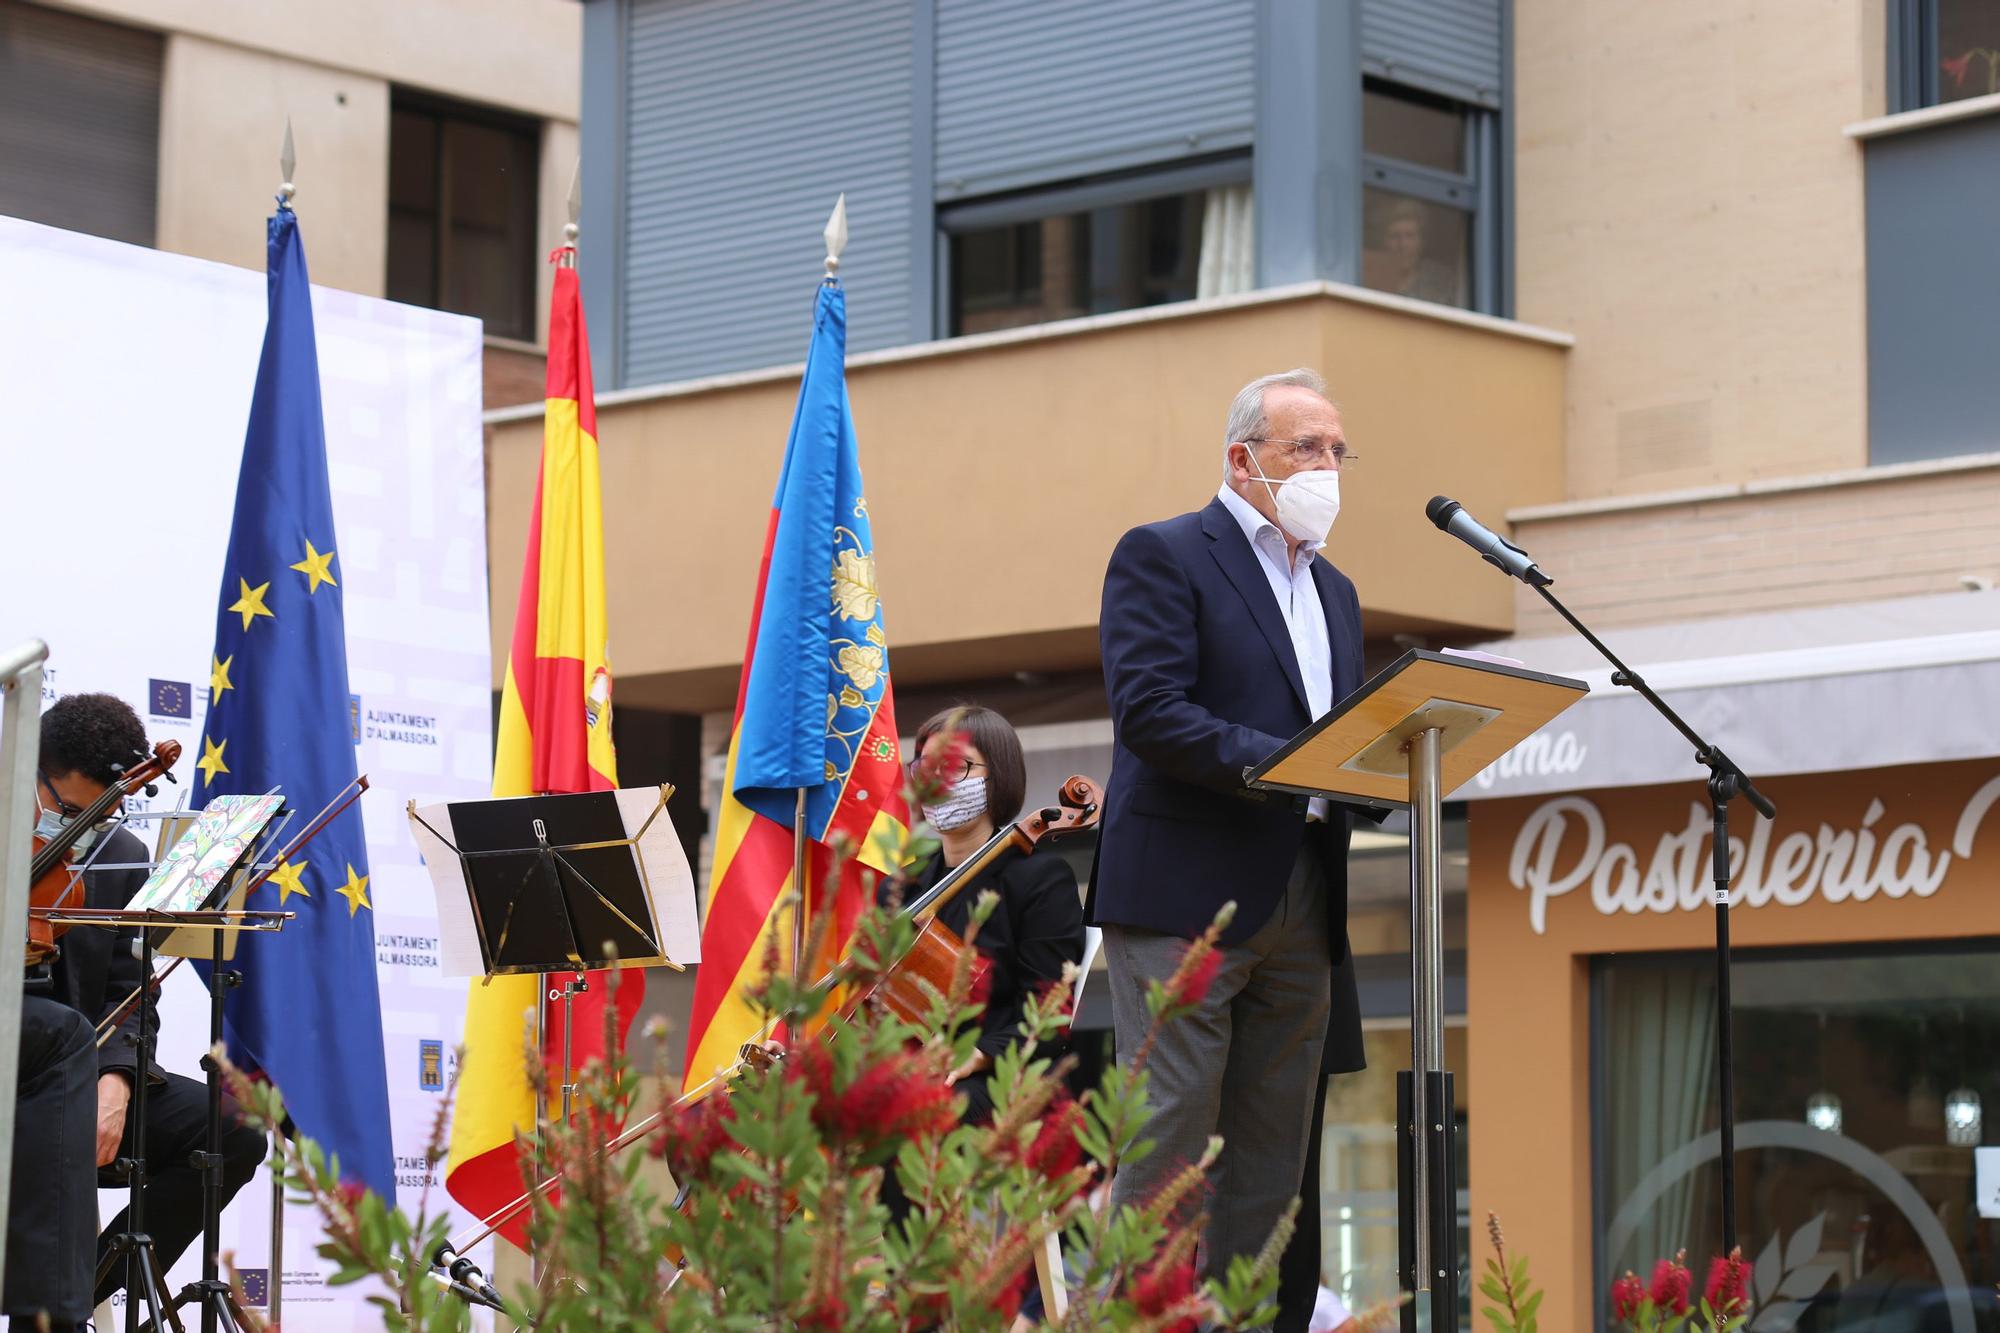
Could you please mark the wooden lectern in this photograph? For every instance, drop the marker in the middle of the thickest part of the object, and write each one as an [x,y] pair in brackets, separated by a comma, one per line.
[1416,730]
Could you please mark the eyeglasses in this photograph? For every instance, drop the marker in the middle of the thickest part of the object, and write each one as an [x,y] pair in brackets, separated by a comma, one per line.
[70,813]
[954,770]
[1305,453]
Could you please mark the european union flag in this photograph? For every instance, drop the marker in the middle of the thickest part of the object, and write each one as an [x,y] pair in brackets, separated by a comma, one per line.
[307,1014]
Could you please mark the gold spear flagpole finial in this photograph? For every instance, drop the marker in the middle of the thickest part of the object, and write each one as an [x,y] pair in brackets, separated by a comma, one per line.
[288,159]
[836,234]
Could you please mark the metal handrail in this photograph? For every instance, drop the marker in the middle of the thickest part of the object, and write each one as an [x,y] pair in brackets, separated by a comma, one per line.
[20,741]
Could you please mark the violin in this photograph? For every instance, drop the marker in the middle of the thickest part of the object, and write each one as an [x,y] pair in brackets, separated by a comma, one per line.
[901,987]
[51,880]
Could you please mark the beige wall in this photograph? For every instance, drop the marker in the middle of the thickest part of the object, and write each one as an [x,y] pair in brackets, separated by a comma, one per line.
[1001,469]
[222,125]
[235,70]
[1688,206]
[1890,532]
[523,54]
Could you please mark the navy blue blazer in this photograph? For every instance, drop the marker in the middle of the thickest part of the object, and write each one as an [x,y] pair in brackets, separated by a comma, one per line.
[1203,682]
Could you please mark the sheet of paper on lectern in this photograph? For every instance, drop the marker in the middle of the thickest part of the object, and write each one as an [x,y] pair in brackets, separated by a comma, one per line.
[443,831]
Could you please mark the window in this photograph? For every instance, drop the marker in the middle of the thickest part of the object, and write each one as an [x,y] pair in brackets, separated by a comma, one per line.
[1098,247]
[79,122]
[1865,1086]
[1423,234]
[462,193]
[1943,51]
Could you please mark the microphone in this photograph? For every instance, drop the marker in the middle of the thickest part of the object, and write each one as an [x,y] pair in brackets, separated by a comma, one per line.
[465,1278]
[1450,516]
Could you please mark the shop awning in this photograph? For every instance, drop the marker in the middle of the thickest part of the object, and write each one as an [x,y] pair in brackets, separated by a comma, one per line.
[1823,689]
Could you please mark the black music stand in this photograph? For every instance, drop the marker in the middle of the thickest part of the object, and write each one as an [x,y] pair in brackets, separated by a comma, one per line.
[557,883]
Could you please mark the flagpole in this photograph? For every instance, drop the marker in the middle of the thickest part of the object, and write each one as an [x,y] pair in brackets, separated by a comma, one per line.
[804,909]
[274,1284]
[835,234]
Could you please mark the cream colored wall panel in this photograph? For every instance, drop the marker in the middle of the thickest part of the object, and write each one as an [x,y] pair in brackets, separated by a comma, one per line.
[1000,473]
[560,146]
[1689,208]
[222,124]
[523,54]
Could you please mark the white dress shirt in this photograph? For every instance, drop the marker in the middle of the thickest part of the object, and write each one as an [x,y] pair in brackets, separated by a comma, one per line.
[1298,601]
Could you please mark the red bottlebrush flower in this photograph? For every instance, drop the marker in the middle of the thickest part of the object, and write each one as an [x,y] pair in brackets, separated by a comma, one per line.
[1671,1284]
[1194,986]
[1958,68]
[896,1098]
[693,1135]
[1069,1004]
[1628,1293]
[811,1067]
[352,1192]
[828,1311]
[1055,1151]
[1728,1289]
[939,765]
[1162,1287]
[1007,1301]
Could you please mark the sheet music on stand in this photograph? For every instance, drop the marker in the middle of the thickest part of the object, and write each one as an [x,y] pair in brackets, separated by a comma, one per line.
[535,884]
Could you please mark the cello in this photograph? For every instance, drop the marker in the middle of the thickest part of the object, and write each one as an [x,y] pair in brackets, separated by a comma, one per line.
[906,988]
[52,879]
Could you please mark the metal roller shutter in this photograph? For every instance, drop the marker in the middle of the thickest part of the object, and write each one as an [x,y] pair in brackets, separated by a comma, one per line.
[746,118]
[1030,92]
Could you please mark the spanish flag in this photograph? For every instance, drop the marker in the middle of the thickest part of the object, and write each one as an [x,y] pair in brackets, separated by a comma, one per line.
[555,736]
[813,712]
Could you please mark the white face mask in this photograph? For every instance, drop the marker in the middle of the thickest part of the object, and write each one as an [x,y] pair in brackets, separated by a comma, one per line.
[964,802]
[1308,502]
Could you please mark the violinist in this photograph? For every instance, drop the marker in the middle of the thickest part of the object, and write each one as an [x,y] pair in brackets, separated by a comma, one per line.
[1037,926]
[87,740]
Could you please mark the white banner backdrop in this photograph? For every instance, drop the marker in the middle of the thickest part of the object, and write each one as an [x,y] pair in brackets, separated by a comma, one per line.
[127,375]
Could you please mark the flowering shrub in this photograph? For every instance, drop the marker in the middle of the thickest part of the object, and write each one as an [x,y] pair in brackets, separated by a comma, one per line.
[1660,1306]
[784,1224]
[1667,1303]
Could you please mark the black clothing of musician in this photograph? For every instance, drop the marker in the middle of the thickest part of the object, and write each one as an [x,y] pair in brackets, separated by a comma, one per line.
[87,740]
[97,969]
[52,1200]
[1035,928]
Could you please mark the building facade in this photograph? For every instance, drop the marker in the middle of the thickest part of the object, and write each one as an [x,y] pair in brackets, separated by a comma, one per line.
[435,141]
[1696,297]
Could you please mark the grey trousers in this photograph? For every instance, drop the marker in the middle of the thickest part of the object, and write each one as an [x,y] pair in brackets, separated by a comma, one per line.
[1242,1065]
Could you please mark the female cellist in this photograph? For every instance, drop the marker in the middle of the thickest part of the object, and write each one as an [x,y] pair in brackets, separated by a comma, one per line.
[1037,926]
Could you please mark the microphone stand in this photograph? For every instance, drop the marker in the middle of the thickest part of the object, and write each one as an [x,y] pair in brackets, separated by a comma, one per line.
[1726,782]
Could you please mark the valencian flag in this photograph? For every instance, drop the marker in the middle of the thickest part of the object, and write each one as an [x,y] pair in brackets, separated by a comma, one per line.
[555,736]
[307,1014]
[813,711]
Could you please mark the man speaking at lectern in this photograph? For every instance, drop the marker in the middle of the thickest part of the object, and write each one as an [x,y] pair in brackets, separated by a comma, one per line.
[1223,635]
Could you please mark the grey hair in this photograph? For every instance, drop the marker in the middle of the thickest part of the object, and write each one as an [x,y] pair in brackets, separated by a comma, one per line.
[1246,411]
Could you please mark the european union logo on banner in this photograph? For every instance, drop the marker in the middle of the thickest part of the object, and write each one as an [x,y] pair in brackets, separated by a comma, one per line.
[256,1287]
[281,716]
[169,698]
